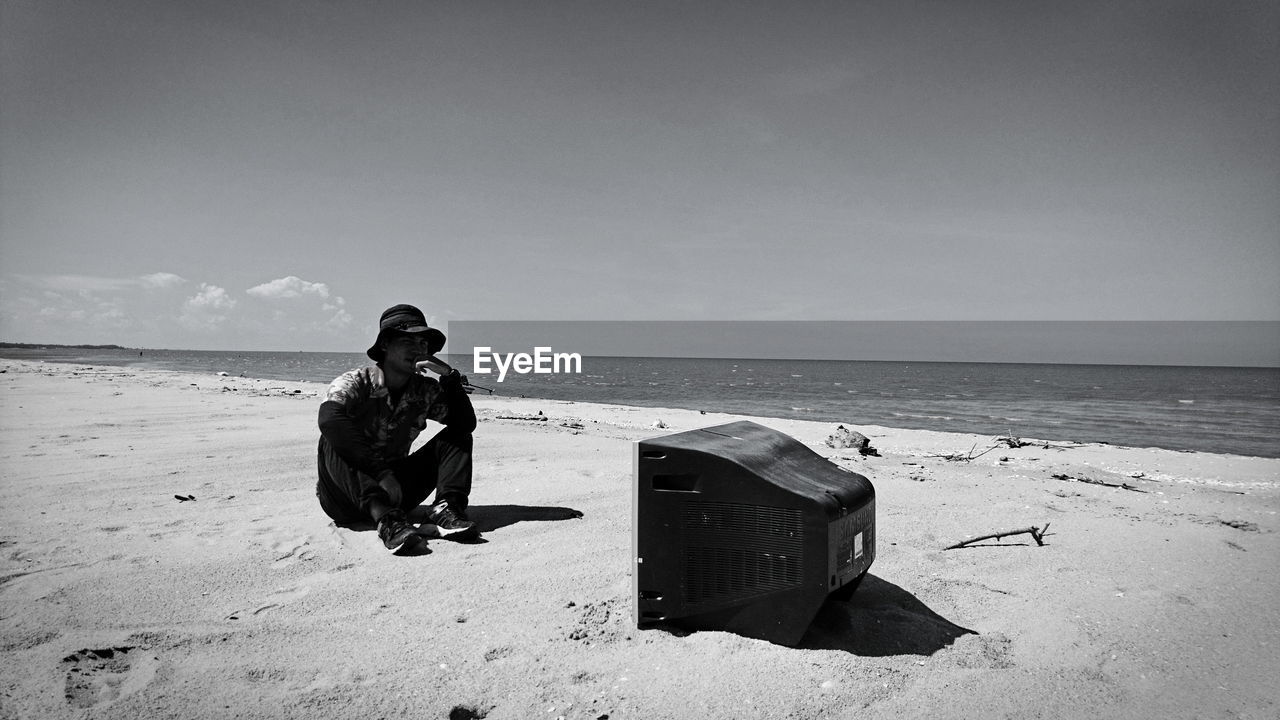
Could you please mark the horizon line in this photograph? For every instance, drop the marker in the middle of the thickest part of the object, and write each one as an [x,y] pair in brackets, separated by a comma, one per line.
[769,358]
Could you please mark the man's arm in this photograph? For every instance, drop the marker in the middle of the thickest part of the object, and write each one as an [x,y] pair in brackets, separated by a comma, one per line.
[340,428]
[352,445]
[459,414]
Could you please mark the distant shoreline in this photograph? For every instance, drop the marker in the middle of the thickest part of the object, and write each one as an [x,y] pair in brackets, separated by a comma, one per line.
[43,346]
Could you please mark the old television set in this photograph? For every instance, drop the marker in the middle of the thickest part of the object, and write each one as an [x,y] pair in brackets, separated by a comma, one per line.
[742,528]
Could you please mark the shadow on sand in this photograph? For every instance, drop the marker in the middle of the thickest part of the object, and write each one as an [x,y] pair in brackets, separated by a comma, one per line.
[880,619]
[492,517]
[486,517]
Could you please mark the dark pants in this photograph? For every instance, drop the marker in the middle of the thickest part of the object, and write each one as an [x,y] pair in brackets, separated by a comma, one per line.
[442,464]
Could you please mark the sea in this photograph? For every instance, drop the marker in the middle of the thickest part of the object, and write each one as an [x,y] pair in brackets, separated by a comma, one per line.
[1194,409]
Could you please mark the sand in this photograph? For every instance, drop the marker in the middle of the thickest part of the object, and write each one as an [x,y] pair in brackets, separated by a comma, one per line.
[121,601]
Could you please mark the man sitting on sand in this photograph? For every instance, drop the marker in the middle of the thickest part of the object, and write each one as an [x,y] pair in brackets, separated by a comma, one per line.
[368,423]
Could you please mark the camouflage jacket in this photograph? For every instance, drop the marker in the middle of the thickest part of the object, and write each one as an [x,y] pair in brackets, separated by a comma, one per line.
[369,432]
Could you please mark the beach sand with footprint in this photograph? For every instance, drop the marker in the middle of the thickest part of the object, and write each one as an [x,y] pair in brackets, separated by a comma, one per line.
[242,599]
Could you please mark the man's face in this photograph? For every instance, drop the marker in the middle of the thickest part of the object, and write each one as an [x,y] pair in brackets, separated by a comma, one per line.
[404,350]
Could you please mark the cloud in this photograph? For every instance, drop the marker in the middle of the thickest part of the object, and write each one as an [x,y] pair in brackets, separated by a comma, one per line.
[206,310]
[164,309]
[74,308]
[339,320]
[162,280]
[288,287]
[328,316]
[94,284]
[82,284]
[210,297]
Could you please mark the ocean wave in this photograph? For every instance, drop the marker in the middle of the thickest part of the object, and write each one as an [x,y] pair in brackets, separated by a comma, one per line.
[915,416]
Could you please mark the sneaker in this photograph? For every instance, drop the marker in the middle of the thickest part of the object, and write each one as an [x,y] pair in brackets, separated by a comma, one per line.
[396,532]
[449,521]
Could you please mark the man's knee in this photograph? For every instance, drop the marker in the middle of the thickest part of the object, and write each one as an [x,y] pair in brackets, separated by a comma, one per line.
[457,437]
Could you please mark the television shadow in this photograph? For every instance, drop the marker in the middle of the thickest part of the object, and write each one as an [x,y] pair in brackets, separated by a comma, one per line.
[881,619]
[492,517]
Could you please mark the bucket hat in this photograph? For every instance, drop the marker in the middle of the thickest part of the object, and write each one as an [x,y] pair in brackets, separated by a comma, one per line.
[404,320]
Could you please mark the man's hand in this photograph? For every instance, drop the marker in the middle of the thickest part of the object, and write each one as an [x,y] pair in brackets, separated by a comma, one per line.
[453,379]
[388,482]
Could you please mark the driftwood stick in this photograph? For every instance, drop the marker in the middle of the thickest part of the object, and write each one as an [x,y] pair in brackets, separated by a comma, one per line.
[957,457]
[1091,481]
[984,452]
[1015,442]
[1034,531]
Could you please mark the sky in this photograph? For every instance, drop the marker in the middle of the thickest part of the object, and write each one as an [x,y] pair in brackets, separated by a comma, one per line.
[272,175]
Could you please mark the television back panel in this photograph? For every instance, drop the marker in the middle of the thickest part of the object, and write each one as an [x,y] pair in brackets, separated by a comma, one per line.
[739,527]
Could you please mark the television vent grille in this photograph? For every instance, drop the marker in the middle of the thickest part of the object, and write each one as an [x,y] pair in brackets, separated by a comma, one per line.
[734,551]
[756,520]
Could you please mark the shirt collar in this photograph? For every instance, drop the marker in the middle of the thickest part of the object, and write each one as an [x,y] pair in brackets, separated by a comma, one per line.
[379,382]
